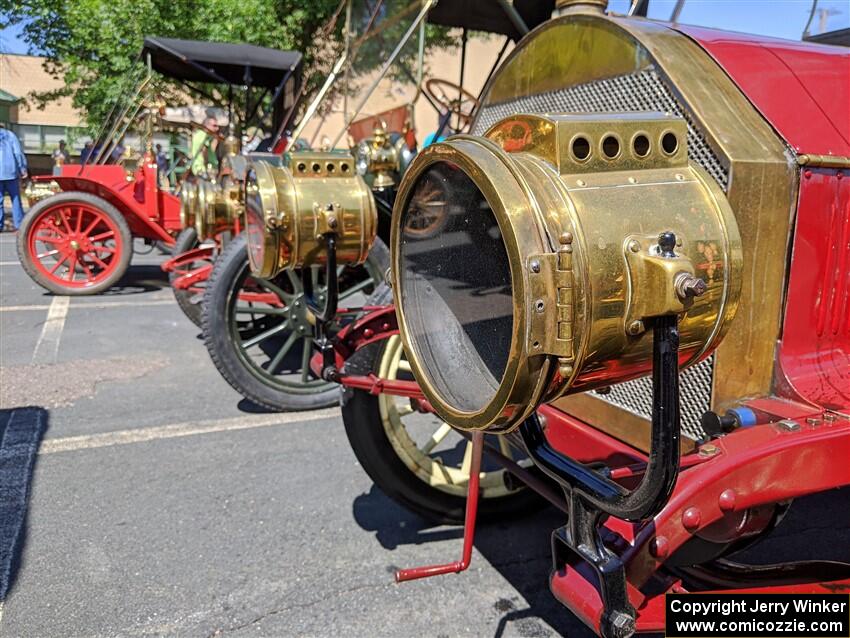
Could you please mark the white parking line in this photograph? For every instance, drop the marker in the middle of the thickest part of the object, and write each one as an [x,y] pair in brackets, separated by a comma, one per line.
[100,305]
[189,428]
[47,346]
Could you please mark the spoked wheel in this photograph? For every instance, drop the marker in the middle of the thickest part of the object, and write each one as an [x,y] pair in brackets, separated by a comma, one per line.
[189,299]
[258,332]
[428,212]
[420,461]
[75,244]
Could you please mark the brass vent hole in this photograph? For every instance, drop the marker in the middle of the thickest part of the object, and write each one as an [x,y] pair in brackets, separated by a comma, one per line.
[669,143]
[344,167]
[641,145]
[581,148]
[330,167]
[302,167]
[611,147]
[317,167]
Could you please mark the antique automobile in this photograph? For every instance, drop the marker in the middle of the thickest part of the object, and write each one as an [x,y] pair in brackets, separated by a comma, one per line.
[265,82]
[643,316]
[79,241]
[260,322]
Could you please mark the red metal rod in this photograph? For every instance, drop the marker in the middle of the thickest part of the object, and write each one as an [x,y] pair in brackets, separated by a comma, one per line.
[468,527]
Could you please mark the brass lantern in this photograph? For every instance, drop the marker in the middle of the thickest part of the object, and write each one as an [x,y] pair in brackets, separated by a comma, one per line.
[290,209]
[568,235]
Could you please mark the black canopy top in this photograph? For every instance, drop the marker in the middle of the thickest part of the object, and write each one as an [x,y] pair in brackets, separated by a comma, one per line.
[490,15]
[238,64]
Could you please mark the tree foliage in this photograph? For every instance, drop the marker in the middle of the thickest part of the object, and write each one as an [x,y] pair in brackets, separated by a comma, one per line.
[94,44]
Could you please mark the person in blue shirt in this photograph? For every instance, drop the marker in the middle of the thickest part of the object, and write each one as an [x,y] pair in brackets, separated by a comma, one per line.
[13,167]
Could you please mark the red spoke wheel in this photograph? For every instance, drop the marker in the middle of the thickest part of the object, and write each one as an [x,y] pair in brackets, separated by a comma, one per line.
[75,244]
[189,299]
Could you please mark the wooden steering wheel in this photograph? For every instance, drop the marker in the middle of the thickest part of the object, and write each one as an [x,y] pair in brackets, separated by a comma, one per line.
[457,101]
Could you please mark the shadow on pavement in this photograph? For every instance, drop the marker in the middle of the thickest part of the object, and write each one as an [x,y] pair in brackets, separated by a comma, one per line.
[21,431]
[518,549]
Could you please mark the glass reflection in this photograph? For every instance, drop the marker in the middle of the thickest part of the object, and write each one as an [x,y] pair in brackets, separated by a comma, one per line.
[456,290]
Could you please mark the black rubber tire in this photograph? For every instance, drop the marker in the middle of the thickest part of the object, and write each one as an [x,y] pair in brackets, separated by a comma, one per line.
[92,200]
[187,240]
[373,449]
[227,270]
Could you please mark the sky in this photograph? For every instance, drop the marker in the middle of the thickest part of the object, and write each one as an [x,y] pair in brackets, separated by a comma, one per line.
[778,18]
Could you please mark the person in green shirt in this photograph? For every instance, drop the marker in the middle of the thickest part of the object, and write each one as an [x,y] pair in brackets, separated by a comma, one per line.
[202,151]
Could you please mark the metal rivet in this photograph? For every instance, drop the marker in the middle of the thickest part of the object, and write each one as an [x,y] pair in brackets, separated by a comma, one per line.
[535,266]
[727,499]
[691,518]
[808,174]
[813,421]
[539,306]
[829,417]
[565,370]
[566,238]
[634,246]
[659,547]
[636,327]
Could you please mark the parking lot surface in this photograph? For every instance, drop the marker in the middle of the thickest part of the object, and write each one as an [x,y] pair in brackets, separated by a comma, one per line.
[162,503]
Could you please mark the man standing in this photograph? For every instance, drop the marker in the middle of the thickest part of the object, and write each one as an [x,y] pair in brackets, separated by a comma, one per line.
[13,166]
[202,152]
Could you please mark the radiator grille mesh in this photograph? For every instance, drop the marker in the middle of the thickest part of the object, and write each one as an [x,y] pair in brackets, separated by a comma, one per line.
[639,92]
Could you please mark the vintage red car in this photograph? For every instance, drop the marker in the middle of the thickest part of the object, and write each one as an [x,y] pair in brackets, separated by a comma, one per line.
[639,310]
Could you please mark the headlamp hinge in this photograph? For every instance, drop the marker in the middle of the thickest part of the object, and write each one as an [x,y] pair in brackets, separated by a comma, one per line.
[552,301]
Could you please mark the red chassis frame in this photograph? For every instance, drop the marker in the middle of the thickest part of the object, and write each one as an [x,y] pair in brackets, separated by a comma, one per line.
[151,213]
[723,485]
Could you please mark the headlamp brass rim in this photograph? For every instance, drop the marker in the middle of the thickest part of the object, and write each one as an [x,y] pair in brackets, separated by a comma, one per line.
[261,178]
[526,373]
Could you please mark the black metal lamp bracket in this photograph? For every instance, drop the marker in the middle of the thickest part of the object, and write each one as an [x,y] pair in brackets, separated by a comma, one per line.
[325,314]
[591,496]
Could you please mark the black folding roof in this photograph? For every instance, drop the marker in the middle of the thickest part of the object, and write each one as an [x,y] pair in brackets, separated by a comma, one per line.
[197,61]
[490,15]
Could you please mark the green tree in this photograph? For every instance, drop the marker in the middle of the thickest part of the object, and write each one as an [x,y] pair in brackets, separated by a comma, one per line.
[94,44]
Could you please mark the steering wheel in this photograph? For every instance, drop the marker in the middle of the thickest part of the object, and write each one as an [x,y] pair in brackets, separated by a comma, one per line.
[457,101]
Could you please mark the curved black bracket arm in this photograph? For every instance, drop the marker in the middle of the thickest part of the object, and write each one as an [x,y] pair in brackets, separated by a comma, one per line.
[662,468]
[591,495]
[325,314]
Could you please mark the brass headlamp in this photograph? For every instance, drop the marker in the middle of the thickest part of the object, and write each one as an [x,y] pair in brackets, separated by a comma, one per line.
[567,236]
[290,209]
[209,206]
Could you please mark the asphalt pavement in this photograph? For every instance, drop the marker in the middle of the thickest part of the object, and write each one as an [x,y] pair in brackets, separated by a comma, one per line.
[140,495]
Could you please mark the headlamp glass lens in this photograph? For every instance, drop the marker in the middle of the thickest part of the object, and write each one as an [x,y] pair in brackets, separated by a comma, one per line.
[254,221]
[456,290]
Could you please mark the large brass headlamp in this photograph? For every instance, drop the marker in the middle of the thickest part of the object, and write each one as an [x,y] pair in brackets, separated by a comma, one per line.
[290,209]
[567,235]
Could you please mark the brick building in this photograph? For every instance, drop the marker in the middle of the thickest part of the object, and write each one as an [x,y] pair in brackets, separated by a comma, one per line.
[38,129]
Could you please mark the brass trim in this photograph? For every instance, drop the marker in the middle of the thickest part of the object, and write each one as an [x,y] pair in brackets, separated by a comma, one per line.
[623,425]
[823,161]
